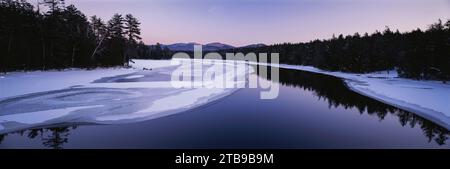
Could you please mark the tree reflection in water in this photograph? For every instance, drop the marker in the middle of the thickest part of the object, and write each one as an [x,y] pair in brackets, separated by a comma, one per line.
[334,91]
[57,138]
[2,137]
[53,138]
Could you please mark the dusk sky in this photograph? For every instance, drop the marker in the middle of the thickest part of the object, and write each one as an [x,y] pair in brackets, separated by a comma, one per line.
[242,22]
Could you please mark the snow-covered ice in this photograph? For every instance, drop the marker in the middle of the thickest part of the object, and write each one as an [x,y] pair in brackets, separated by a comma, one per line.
[20,83]
[100,96]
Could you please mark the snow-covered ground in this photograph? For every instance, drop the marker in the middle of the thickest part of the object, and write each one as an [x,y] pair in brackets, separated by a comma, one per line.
[100,96]
[429,99]
[19,83]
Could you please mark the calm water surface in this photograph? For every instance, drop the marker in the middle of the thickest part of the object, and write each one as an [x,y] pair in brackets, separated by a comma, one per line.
[312,111]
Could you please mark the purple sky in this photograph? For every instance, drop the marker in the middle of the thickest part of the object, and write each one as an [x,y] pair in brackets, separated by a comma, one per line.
[241,22]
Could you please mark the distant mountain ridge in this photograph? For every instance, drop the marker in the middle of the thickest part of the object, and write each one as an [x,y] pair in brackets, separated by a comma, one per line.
[207,47]
[254,45]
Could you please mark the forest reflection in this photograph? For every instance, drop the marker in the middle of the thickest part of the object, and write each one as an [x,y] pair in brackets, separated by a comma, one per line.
[53,138]
[334,91]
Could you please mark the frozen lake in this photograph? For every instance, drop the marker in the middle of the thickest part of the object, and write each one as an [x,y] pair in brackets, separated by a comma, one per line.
[312,111]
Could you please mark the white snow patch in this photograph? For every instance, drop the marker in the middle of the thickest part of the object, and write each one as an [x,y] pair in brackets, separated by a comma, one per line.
[134,76]
[150,64]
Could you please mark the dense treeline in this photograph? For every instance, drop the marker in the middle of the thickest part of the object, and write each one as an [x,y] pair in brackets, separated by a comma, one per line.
[157,51]
[417,54]
[62,36]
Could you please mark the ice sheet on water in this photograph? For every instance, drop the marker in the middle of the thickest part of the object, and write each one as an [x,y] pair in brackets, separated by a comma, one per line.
[121,98]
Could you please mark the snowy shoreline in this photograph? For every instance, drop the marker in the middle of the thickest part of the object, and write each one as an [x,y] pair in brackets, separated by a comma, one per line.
[429,99]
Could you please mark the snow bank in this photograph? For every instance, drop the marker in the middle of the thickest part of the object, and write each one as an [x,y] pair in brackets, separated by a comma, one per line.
[429,99]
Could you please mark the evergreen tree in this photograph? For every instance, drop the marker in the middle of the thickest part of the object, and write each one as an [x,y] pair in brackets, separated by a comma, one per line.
[157,51]
[116,40]
[132,31]
[143,51]
[116,26]
[98,27]
[79,37]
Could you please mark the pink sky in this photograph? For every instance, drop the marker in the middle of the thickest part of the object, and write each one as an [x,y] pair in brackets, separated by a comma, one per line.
[242,22]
